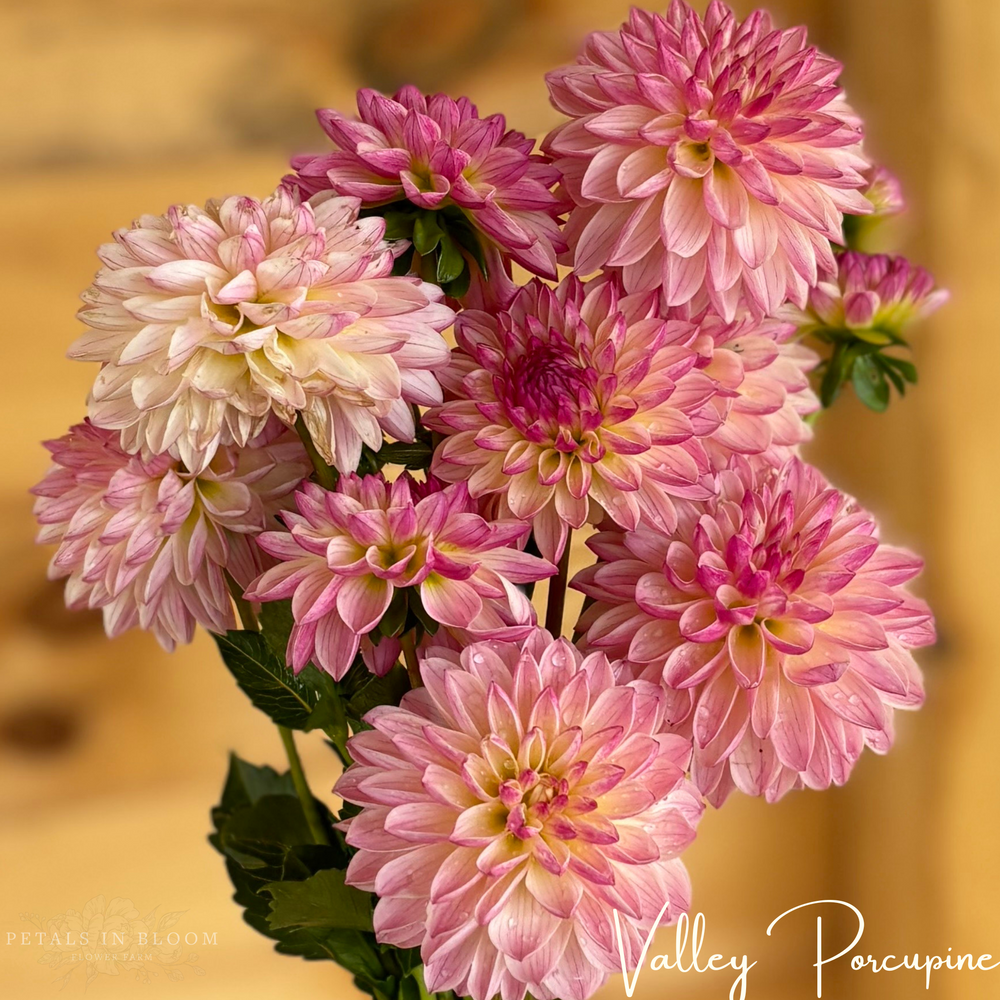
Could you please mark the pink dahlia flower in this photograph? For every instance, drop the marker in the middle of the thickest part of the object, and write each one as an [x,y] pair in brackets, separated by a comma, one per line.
[707,155]
[208,321]
[872,297]
[777,623]
[575,394]
[149,542]
[764,392]
[437,152]
[346,553]
[885,192]
[509,806]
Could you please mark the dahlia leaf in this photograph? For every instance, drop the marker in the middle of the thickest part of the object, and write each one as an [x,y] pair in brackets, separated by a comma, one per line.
[324,900]
[288,699]
[395,617]
[387,690]
[245,785]
[415,455]
[276,623]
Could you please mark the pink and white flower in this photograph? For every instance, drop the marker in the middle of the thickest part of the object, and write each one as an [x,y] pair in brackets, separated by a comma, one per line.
[870,296]
[437,152]
[509,806]
[761,371]
[885,192]
[777,622]
[346,554]
[151,543]
[208,321]
[576,394]
[712,157]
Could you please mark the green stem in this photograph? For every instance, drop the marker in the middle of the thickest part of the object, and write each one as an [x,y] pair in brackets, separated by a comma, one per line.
[302,787]
[325,475]
[410,656]
[557,591]
[243,607]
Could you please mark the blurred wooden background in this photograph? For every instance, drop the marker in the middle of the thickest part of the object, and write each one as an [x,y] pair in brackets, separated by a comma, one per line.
[112,753]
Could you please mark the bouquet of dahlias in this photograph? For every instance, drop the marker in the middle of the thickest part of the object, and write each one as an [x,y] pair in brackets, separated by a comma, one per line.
[281,447]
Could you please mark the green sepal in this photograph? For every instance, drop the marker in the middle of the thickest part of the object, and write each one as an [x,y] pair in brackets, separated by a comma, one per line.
[450,262]
[870,383]
[427,234]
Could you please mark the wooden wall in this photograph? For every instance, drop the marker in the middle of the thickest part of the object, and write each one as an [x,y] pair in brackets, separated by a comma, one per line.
[111,754]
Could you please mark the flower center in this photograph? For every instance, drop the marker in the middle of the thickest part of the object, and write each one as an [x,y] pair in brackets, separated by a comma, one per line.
[543,802]
[548,384]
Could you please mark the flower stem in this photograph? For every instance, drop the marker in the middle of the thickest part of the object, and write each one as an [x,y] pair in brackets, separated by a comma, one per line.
[247,619]
[410,656]
[302,787]
[325,475]
[557,591]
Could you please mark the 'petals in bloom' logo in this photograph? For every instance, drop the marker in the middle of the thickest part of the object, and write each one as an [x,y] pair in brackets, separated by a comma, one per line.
[112,938]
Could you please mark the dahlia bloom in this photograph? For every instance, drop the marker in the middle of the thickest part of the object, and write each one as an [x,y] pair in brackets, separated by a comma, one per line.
[762,375]
[149,542]
[871,297]
[208,321]
[575,394]
[885,192]
[346,553]
[508,807]
[707,156]
[436,152]
[777,623]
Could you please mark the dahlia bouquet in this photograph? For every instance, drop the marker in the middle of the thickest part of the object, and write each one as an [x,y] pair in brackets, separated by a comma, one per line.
[282,447]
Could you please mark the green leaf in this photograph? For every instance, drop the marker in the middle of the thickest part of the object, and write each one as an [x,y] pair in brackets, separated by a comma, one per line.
[324,900]
[450,262]
[412,455]
[246,784]
[387,690]
[417,607]
[394,619]
[288,699]
[276,623]
[870,384]
[426,233]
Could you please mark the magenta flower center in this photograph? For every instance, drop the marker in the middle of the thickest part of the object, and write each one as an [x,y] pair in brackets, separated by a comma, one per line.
[753,578]
[547,388]
[543,803]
